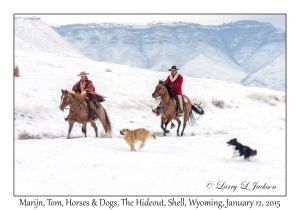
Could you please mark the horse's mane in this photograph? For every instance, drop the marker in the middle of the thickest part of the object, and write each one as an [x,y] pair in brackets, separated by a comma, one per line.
[78,96]
[169,88]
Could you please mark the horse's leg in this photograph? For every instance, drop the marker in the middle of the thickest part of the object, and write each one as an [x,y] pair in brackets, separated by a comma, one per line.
[166,124]
[93,124]
[71,123]
[162,120]
[179,123]
[184,124]
[186,117]
[84,128]
[163,126]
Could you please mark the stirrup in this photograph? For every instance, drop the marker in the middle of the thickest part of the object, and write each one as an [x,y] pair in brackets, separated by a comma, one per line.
[156,110]
[85,104]
[181,113]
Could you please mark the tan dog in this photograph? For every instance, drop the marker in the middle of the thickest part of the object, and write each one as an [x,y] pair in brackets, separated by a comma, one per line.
[132,136]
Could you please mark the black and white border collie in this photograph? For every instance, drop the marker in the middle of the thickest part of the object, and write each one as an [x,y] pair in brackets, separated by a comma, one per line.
[241,150]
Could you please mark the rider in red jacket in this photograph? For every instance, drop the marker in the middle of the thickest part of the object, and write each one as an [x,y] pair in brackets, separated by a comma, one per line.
[175,80]
[84,84]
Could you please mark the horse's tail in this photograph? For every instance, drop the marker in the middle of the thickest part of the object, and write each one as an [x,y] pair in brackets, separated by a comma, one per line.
[191,119]
[198,109]
[108,127]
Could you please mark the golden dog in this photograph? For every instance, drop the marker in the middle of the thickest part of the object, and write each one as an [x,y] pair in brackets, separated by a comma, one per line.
[132,136]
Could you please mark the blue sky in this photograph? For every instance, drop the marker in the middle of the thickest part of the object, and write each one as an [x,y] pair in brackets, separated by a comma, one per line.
[278,20]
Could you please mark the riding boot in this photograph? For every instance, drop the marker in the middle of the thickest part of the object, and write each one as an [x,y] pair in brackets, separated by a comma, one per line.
[180,111]
[93,107]
[157,110]
[94,115]
[67,118]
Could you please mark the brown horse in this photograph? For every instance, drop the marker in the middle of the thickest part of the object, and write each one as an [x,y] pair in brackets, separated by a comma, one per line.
[79,113]
[168,108]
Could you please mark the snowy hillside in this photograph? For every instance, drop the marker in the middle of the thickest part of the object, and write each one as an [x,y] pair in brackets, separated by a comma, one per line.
[46,163]
[228,52]
[35,37]
[275,70]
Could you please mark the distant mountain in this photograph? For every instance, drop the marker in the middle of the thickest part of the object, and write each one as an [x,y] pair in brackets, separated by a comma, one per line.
[242,52]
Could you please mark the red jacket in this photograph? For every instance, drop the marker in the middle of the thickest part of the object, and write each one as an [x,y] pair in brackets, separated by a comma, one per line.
[176,84]
[90,90]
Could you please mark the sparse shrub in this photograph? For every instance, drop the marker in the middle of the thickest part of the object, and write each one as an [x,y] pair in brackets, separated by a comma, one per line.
[218,103]
[108,70]
[49,136]
[220,132]
[25,135]
[268,98]
[16,72]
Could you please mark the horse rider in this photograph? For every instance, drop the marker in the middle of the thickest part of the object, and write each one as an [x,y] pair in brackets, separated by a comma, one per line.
[84,84]
[175,80]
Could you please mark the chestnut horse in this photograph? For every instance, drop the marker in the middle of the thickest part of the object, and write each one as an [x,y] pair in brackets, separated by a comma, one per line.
[79,113]
[168,108]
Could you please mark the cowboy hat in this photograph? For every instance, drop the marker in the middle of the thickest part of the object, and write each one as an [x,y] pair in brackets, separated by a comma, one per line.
[173,68]
[83,73]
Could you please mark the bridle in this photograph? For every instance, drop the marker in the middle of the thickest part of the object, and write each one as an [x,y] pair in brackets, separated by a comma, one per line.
[64,100]
[157,96]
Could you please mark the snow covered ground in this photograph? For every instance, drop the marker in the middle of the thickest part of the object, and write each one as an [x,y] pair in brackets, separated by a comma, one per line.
[165,166]
[46,163]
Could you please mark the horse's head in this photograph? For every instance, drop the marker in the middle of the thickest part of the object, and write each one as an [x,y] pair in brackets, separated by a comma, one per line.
[64,99]
[160,90]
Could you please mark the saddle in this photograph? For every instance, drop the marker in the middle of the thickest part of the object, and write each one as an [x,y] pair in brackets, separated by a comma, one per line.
[177,104]
[92,107]
[89,105]
[157,110]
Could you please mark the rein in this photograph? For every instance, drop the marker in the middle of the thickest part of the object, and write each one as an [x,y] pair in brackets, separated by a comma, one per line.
[76,109]
[80,103]
[166,108]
